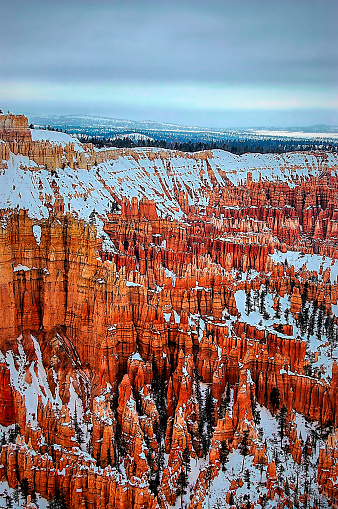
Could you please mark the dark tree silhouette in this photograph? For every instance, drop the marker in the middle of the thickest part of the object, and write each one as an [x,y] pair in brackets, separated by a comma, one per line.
[244,445]
[281,418]
[274,399]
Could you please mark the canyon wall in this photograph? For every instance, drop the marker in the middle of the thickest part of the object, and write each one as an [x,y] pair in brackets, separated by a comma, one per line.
[134,343]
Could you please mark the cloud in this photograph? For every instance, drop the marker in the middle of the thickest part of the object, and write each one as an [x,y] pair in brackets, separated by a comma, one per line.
[187,54]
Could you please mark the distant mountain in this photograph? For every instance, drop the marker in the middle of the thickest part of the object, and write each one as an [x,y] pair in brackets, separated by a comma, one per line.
[106,127]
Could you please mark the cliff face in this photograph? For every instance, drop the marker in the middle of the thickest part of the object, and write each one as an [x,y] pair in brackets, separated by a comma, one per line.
[14,128]
[138,346]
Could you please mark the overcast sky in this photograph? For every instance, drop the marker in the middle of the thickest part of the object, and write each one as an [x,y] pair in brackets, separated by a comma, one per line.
[211,63]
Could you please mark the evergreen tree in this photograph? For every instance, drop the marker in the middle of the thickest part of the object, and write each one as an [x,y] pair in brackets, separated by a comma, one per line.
[286,315]
[24,487]
[312,320]
[281,422]
[92,217]
[13,433]
[261,465]
[186,460]
[224,454]
[244,445]
[274,399]
[248,302]
[159,394]
[208,481]
[247,478]
[306,462]
[182,484]
[304,293]
[78,430]
[57,502]
[262,305]
[320,320]
[16,494]
[160,458]
[8,499]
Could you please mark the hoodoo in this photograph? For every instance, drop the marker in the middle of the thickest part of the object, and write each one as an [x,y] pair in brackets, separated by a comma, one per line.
[168,326]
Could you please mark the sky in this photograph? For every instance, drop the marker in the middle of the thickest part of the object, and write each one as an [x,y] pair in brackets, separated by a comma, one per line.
[213,63]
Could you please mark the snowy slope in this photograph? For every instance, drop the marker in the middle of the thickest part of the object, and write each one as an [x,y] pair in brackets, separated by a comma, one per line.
[56,138]
[152,173]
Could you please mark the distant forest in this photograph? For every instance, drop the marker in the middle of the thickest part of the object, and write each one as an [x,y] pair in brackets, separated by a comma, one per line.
[236,146]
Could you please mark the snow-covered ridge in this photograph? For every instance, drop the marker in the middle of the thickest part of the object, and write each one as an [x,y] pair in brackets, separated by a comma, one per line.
[56,138]
[156,174]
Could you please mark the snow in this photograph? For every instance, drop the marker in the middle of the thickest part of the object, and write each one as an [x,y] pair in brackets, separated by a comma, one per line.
[136,357]
[153,173]
[38,387]
[37,233]
[131,283]
[285,466]
[56,138]
[294,134]
[315,343]
[312,262]
[21,267]
[6,491]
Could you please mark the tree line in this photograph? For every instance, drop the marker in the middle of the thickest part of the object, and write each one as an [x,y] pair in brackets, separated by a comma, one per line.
[237,146]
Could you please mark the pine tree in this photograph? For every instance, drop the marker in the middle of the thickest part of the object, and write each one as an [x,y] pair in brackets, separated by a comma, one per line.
[13,433]
[320,319]
[244,445]
[247,478]
[281,418]
[224,454]
[8,499]
[92,217]
[262,306]
[159,394]
[186,460]
[248,302]
[274,399]
[182,484]
[261,465]
[208,481]
[78,430]
[16,494]
[24,487]
[304,293]
[57,502]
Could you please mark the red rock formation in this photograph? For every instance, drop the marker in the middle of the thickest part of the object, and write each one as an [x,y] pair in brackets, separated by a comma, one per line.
[14,127]
[118,335]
